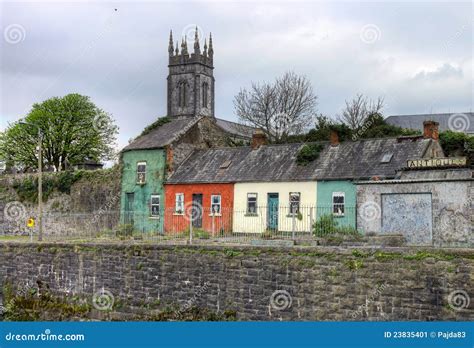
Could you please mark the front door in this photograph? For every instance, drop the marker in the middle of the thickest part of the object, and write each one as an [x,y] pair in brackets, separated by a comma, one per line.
[197,210]
[129,202]
[272,215]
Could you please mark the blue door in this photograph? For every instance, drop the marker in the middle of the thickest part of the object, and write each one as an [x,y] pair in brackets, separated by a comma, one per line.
[272,215]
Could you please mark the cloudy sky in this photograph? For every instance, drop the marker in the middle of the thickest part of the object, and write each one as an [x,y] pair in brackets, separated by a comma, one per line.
[417,55]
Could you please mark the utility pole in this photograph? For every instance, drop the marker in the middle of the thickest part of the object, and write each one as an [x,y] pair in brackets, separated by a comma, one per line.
[40,180]
[40,185]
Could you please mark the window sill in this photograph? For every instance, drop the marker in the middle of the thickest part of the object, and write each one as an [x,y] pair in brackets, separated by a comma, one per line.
[217,214]
[338,215]
[251,214]
[293,215]
[154,217]
[141,183]
[178,214]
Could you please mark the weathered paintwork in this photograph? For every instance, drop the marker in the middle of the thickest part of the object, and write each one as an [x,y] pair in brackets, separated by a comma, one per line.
[409,214]
[324,198]
[258,223]
[176,222]
[155,172]
[452,211]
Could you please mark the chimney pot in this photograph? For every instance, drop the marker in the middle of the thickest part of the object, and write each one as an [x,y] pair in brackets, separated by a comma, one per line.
[431,130]
[334,138]
[258,139]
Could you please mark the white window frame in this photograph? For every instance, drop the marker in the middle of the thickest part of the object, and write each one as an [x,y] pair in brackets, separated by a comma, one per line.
[154,216]
[256,203]
[343,204]
[213,204]
[298,207]
[141,163]
[179,210]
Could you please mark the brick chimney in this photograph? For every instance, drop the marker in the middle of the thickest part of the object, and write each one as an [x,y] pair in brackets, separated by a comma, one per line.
[430,130]
[334,138]
[258,139]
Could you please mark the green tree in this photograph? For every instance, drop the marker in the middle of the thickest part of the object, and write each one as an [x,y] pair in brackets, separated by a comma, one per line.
[74,130]
[457,144]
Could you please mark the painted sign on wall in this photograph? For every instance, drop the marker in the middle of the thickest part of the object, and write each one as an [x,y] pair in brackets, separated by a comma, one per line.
[437,162]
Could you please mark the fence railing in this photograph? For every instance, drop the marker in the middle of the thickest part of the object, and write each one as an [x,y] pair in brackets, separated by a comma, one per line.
[198,223]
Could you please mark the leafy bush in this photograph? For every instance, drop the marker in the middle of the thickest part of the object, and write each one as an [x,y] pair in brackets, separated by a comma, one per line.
[308,153]
[27,187]
[456,144]
[328,225]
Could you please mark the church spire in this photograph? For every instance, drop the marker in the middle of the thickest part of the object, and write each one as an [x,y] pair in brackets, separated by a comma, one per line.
[170,45]
[197,49]
[211,50]
[205,48]
[184,47]
[177,48]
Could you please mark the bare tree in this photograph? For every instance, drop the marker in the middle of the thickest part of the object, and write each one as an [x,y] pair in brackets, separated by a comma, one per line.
[358,110]
[286,106]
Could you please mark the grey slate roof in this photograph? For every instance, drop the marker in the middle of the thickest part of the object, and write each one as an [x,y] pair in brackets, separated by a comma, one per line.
[235,128]
[349,160]
[169,132]
[459,121]
[163,135]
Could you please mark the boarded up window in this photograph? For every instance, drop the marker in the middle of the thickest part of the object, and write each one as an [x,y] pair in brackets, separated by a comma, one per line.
[409,214]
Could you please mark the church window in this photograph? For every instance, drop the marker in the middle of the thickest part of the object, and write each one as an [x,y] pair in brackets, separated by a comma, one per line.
[182,94]
[205,90]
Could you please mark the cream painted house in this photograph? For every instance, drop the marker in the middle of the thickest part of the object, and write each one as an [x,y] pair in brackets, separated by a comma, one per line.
[274,206]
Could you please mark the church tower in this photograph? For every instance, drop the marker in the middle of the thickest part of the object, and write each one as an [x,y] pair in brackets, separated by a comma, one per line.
[190,79]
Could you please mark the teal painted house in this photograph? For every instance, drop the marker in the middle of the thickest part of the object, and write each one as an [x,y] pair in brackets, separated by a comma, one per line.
[337,198]
[190,124]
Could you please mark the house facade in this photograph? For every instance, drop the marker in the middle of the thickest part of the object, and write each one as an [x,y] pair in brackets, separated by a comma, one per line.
[206,207]
[428,207]
[190,124]
[284,206]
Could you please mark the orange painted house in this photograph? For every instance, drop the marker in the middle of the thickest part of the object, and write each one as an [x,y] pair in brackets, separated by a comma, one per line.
[208,205]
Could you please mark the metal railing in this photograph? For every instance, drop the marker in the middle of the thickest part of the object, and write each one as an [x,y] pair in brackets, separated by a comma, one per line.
[199,224]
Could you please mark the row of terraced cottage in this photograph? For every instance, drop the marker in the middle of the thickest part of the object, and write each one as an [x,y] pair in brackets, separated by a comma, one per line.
[188,163]
[400,185]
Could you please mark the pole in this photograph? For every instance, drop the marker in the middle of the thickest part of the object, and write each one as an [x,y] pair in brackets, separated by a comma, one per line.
[191,226]
[40,185]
